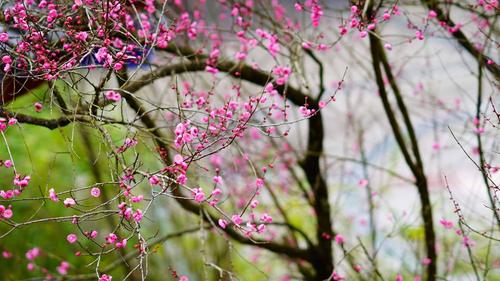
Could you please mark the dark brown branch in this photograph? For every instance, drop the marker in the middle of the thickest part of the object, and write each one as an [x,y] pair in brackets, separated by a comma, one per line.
[482,161]
[378,59]
[47,123]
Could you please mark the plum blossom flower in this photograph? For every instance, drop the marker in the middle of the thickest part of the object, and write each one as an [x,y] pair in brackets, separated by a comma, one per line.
[38,106]
[199,195]
[63,268]
[222,223]
[53,195]
[33,253]
[7,59]
[217,179]
[68,202]
[105,277]
[154,180]
[111,238]
[446,223]
[6,254]
[5,213]
[363,182]
[426,261]
[121,244]
[4,37]
[95,192]
[72,238]
[236,219]
[113,96]
[266,218]
[137,215]
[82,36]
[339,239]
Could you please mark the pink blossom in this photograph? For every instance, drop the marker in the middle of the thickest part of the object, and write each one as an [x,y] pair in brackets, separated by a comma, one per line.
[419,35]
[178,159]
[6,59]
[137,215]
[339,239]
[121,244]
[259,182]
[266,218]
[467,242]
[4,37]
[118,66]
[342,30]
[436,146]
[337,277]
[446,223]
[105,277]
[33,253]
[113,96]
[5,213]
[21,182]
[211,69]
[95,192]
[217,179]
[111,238]
[426,261]
[254,203]
[136,199]
[363,182]
[181,179]
[154,180]
[68,202]
[72,238]
[236,219]
[6,254]
[222,223]
[53,195]
[82,36]
[354,23]
[216,192]
[63,268]
[199,195]
[316,13]
[38,106]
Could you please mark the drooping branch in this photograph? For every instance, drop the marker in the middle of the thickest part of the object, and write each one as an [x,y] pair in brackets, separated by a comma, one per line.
[463,40]
[188,205]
